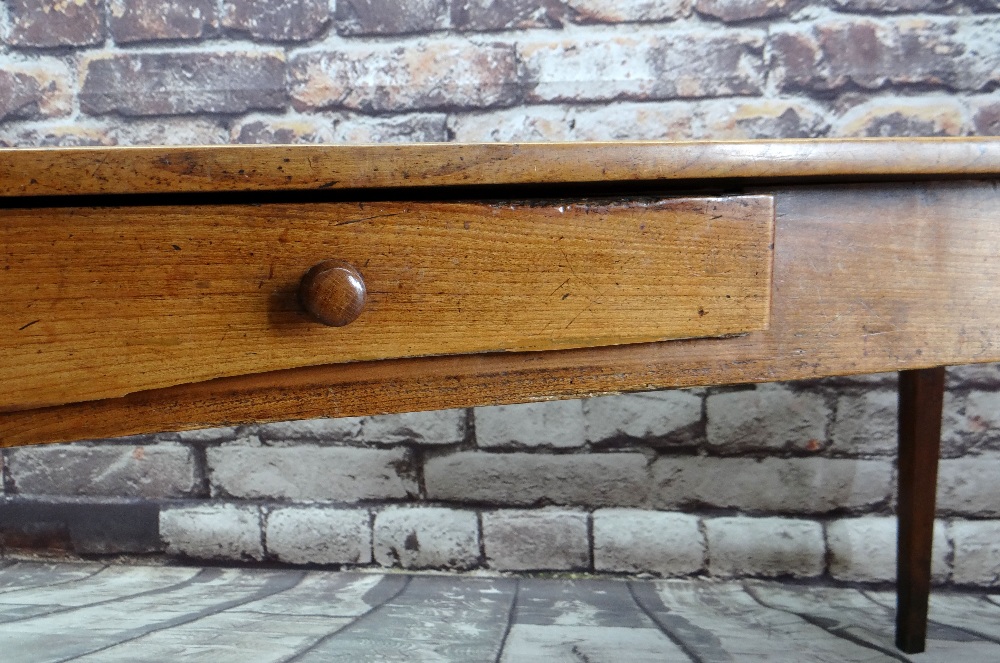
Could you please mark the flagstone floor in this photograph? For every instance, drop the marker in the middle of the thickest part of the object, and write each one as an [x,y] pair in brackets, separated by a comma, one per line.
[91,613]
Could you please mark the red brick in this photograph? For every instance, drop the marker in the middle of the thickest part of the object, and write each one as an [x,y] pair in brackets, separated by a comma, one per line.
[178,83]
[893,6]
[411,128]
[46,24]
[390,17]
[151,471]
[506,14]
[732,11]
[169,131]
[693,64]
[341,128]
[151,20]
[961,54]
[764,118]
[277,20]
[521,14]
[34,91]
[627,11]
[281,130]
[934,116]
[795,57]
[74,134]
[986,120]
[79,133]
[425,75]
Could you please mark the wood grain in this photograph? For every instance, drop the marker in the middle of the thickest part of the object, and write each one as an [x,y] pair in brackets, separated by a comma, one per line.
[866,279]
[67,171]
[101,302]
[921,398]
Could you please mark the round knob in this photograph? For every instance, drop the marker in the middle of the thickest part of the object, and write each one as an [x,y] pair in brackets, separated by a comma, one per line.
[333,292]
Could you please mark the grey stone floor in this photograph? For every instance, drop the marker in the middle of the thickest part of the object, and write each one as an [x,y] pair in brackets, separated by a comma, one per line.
[91,612]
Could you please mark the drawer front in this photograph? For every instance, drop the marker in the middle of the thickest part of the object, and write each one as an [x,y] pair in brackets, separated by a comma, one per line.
[100,302]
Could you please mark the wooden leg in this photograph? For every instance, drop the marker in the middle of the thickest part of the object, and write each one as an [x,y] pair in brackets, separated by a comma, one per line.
[921,393]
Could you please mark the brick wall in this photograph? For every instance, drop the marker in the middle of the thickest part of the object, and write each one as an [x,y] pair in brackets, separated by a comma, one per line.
[787,479]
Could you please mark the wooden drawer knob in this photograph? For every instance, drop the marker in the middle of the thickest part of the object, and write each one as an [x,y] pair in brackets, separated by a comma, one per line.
[333,292]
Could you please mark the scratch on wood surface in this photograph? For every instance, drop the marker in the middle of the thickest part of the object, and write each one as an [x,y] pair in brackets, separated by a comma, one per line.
[590,303]
[100,164]
[366,218]
[559,287]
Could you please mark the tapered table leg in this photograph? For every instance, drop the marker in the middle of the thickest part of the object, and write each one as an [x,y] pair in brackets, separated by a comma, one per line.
[921,394]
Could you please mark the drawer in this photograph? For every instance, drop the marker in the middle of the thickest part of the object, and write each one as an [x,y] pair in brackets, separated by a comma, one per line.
[104,301]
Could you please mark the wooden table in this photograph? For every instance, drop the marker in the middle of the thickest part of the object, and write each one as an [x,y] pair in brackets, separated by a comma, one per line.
[150,289]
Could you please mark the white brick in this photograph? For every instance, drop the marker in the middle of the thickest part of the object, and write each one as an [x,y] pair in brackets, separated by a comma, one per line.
[553,423]
[967,486]
[800,485]
[547,539]
[766,547]
[866,423]
[575,70]
[318,535]
[971,420]
[436,427]
[422,75]
[864,549]
[163,469]
[977,552]
[432,537]
[310,472]
[653,416]
[873,380]
[344,429]
[522,479]
[643,65]
[410,128]
[637,541]
[978,374]
[213,531]
[771,417]
[220,434]
[619,121]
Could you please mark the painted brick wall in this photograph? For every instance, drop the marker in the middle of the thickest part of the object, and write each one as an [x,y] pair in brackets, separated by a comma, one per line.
[787,479]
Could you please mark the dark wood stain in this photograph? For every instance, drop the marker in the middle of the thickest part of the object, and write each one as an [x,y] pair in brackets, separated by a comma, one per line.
[921,394]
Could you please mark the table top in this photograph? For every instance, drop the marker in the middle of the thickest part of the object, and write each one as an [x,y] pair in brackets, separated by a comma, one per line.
[884,259]
[132,170]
